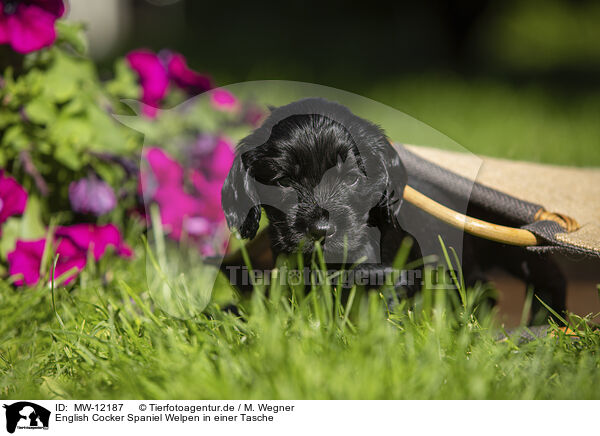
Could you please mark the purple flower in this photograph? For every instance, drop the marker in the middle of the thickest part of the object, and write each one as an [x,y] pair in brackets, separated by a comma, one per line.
[91,195]
[157,71]
[72,246]
[28,25]
[12,198]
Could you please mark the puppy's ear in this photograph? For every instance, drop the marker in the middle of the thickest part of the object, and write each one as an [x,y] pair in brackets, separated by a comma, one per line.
[396,179]
[239,200]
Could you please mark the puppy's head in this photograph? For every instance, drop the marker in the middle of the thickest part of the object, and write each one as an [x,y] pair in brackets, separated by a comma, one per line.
[320,173]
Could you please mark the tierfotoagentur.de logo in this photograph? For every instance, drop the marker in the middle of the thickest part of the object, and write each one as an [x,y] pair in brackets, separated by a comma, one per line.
[25,415]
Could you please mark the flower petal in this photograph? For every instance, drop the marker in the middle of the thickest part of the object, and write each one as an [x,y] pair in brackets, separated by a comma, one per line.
[13,197]
[4,34]
[153,78]
[30,28]
[187,79]
[91,237]
[224,100]
[55,7]
[91,195]
[25,260]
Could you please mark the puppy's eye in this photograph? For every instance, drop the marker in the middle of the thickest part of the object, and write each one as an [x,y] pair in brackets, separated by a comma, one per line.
[284,182]
[353,179]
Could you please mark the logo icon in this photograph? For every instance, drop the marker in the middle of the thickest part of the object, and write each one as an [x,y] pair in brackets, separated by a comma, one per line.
[26,415]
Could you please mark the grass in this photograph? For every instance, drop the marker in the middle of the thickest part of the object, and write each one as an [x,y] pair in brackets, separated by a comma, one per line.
[492,118]
[106,337]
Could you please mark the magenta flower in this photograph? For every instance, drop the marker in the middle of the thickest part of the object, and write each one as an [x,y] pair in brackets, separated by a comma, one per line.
[90,237]
[209,177]
[165,169]
[164,172]
[194,212]
[253,115]
[221,160]
[209,192]
[186,79]
[180,212]
[224,100]
[73,245]
[26,260]
[12,198]
[157,71]
[92,195]
[153,78]
[28,25]
[213,156]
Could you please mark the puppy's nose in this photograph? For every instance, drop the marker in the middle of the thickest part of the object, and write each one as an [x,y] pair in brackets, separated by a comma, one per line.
[319,229]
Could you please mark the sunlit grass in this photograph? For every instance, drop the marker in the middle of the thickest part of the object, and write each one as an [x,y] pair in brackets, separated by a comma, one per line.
[114,342]
[492,118]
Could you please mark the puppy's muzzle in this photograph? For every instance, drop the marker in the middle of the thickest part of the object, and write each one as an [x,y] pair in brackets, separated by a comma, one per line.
[321,227]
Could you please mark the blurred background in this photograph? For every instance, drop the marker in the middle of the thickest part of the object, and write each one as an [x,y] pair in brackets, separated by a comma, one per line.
[512,79]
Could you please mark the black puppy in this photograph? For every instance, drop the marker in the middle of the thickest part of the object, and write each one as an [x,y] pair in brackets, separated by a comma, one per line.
[324,174]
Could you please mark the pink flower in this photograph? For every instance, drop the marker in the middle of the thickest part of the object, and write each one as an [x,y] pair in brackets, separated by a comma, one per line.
[209,176]
[186,79]
[221,160]
[209,191]
[196,212]
[28,25]
[26,260]
[224,100]
[90,237]
[164,171]
[12,198]
[92,195]
[157,71]
[153,78]
[73,244]
[253,115]
[213,156]
[179,212]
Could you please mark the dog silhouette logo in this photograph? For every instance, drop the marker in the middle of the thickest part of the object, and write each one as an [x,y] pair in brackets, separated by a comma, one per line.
[26,415]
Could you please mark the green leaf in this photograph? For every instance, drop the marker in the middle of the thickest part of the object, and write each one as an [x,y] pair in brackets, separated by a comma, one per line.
[68,157]
[15,137]
[74,107]
[8,117]
[125,83]
[72,34]
[32,226]
[109,135]
[67,77]
[73,132]
[10,234]
[41,110]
